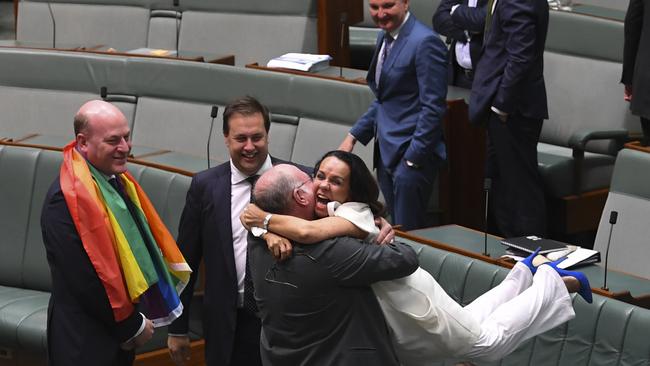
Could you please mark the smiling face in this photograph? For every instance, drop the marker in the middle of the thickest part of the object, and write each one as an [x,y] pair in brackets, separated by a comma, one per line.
[332,183]
[105,139]
[388,14]
[247,142]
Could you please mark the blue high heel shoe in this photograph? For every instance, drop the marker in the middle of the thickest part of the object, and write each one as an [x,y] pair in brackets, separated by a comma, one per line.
[585,288]
[528,261]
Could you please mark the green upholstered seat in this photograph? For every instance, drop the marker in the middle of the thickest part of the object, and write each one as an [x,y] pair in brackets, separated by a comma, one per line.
[629,195]
[607,332]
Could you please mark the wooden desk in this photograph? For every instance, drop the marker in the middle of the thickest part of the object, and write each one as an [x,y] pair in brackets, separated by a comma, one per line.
[336,73]
[461,179]
[334,19]
[182,55]
[454,238]
[636,145]
[105,50]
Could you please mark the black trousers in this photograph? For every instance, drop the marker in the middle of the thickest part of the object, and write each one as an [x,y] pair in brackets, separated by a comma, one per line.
[246,348]
[462,78]
[645,127]
[518,204]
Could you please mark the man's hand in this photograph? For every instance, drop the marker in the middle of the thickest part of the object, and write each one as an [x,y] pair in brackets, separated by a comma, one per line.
[386,232]
[348,143]
[179,349]
[252,216]
[627,93]
[280,247]
[146,334]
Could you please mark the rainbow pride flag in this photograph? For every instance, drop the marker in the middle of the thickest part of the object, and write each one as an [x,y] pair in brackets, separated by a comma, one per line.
[135,265]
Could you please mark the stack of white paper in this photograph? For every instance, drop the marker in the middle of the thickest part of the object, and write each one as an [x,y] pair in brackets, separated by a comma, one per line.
[301,61]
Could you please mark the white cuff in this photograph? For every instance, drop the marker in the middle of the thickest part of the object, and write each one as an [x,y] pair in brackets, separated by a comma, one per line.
[139,330]
[498,111]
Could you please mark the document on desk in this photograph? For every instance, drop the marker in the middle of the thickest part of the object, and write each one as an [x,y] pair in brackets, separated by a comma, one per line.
[301,61]
[580,257]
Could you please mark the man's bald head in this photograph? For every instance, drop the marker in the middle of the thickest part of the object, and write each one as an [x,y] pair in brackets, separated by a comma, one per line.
[103,136]
[94,108]
[285,189]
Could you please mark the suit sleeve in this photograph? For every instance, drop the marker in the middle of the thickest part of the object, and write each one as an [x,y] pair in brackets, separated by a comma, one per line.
[632,31]
[444,24]
[364,129]
[471,19]
[431,73]
[518,21]
[189,242]
[355,263]
[69,259]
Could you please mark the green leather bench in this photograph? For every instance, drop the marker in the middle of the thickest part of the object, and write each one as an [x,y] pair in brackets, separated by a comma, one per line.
[24,273]
[607,332]
[629,195]
[168,104]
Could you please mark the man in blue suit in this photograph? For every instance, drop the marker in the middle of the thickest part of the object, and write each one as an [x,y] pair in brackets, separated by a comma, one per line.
[408,75]
[509,97]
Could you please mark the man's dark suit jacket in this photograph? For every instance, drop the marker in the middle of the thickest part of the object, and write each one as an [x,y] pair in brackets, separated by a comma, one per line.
[317,307]
[453,27]
[81,329]
[509,74]
[636,56]
[205,233]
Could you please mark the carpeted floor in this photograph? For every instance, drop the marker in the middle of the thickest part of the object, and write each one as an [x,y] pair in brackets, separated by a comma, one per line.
[7,20]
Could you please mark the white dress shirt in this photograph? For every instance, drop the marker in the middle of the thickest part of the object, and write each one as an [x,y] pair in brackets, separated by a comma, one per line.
[240,196]
[462,49]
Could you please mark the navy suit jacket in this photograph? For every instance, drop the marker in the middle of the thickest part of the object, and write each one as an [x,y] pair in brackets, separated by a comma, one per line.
[636,56]
[510,71]
[81,328]
[406,116]
[205,233]
[454,26]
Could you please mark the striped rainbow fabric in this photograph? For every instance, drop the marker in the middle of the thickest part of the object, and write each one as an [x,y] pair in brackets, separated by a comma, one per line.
[134,265]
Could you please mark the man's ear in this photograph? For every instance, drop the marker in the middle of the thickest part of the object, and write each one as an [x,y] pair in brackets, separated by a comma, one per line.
[300,197]
[82,142]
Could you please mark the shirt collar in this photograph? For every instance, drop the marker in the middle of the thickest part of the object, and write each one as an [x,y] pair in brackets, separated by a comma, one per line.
[236,176]
[395,33]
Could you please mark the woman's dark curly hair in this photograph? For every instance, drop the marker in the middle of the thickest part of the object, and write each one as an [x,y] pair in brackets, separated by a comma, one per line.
[363,187]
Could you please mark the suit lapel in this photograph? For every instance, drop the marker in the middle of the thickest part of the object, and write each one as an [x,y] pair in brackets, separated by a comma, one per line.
[221,196]
[398,45]
[489,21]
[370,78]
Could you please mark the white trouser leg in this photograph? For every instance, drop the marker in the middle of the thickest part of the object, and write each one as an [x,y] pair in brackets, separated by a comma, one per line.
[518,279]
[543,306]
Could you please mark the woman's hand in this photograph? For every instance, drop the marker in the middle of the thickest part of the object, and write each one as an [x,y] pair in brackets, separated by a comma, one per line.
[386,232]
[252,216]
[280,247]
